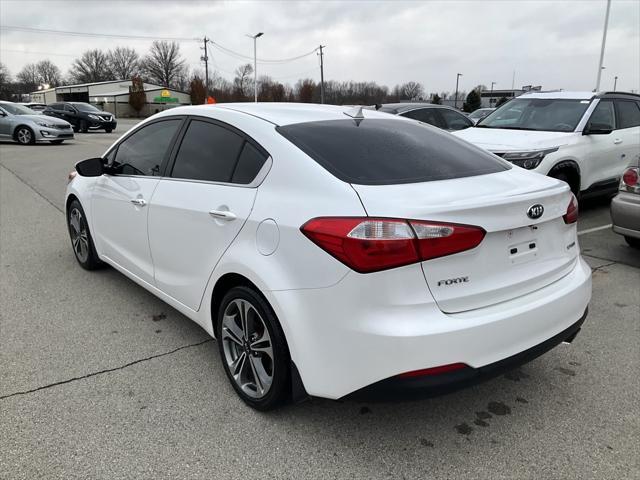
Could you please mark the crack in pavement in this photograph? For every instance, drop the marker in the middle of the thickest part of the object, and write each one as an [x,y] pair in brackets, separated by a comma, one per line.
[40,194]
[593,269]
[108,370]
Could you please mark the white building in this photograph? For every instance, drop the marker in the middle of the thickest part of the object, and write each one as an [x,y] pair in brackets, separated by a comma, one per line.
[113,96]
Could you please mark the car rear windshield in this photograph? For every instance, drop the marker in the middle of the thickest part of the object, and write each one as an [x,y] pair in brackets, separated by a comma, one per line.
[384,152]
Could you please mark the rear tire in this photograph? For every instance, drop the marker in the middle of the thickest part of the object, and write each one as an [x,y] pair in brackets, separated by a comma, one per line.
[81,239]
[25,136]
[633,242]
[253,349]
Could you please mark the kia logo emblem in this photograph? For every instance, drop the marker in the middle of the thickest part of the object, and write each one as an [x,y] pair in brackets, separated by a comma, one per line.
[535,211]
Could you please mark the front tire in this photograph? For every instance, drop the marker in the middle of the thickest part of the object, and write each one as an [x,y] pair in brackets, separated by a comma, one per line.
[81,240]
[253,349]
[25,136]
[84,126]
[108,130]
[56,142]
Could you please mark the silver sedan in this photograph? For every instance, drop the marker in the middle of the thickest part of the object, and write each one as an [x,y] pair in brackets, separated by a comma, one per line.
[23,125]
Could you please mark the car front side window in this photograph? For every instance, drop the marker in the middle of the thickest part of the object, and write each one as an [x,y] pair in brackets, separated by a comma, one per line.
[603,117]
[144,151]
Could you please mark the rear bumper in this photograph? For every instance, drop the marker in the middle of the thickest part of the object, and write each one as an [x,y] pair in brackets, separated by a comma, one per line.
[625,214]
[369,328]
[427,386]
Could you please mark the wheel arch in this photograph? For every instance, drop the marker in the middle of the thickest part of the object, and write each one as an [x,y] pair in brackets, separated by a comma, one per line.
[571,169]
[18,127]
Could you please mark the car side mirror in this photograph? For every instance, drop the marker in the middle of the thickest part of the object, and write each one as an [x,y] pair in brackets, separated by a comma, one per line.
[92,167]
[597,129]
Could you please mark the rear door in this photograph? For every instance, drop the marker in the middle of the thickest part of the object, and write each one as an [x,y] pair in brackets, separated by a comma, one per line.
[197,212]
[628,116]
[120,202]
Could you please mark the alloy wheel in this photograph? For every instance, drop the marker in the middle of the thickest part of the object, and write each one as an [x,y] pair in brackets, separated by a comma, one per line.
[248,349]
[79,235]
[24,136]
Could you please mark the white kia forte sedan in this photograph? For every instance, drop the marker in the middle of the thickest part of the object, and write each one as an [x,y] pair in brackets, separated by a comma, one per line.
[335,251]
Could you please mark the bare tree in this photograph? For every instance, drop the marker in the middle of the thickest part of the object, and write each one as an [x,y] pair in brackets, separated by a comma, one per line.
[411,91]
[29,76]
[137,97]
[5,82]
[123,63]
[164,64]
[243,81]
[92,66]
[197,91]
[304,90]
[49,73]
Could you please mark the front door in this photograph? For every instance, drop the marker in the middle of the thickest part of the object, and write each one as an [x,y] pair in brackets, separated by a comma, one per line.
[120,201]
[602,151]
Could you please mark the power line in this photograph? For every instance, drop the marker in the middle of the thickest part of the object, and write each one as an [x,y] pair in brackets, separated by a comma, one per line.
[241,56]
[92,34]
[31,52]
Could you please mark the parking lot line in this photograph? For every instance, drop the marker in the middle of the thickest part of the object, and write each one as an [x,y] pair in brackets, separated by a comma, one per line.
[595,229]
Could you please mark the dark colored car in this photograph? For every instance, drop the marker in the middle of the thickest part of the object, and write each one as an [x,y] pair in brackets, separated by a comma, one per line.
[83,116]
[439,116]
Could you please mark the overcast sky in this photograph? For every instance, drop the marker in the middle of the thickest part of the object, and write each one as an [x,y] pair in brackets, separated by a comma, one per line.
[555,44]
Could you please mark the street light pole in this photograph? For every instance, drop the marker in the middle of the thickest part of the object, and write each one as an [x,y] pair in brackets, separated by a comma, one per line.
[604,41]
[615,82]
[456,100]
[491,95]
[255,65]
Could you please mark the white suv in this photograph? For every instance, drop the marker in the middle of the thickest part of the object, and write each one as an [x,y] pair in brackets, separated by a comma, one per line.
[583,138]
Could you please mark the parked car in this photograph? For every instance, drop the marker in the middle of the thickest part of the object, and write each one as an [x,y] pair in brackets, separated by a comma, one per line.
[27,127]
[83,116]
[321,266]
[479,114]
[625,207]
[36,107]
[582,138]
[439,116]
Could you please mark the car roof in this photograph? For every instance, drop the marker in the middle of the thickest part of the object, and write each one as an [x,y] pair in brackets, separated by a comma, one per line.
[401,107]
[281,113]
[559,95]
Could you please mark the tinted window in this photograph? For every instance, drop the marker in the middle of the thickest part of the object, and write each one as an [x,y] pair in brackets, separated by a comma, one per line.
[142,153]
[207,152]
[426,115]
[382,152]
[628,113]
[249,164]
[455,120]
[56,106]
[69,108]
[603,117]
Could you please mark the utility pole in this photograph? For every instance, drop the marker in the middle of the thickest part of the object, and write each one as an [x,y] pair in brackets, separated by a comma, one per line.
[321,74]
[491,96]
[255,65]
[604,41]
[205,58]
[615,82]
[455,103]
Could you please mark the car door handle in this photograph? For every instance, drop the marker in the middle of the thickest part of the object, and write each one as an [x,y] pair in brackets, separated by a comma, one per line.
[140,202]
[223,215]
[617,141]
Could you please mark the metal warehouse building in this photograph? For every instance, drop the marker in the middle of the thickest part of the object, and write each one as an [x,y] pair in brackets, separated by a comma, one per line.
[113,96]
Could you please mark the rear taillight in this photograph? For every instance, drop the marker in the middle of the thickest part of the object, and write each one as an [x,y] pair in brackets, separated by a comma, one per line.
[630,180]
[372,244]
[71,176]
[572,211]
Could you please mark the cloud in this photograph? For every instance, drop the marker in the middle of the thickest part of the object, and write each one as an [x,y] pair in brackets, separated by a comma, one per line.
[553,44]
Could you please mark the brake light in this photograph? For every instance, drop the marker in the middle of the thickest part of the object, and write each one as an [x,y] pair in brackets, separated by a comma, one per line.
[572,211]
[434,371]
[367,244]
[630,178]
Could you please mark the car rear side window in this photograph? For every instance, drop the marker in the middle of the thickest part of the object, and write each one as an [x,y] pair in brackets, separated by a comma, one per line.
[426,115]
[143,152]
[384,152]
[249,164]
[455,120]
[628,113]
[207,152]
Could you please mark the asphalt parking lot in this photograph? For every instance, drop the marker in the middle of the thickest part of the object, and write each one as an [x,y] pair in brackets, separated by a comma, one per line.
[99,379]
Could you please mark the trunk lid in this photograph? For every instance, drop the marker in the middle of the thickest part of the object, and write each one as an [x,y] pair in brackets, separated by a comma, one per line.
[518,254]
